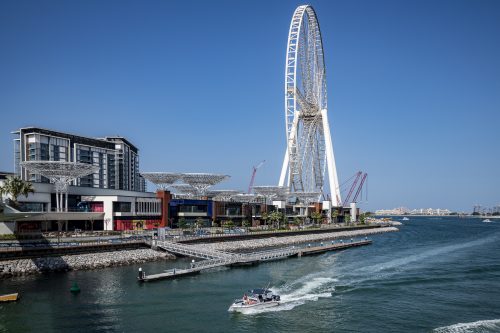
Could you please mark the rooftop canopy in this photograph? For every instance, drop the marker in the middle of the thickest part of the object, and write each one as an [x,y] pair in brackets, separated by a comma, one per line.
[271,191]
[162,179]
[243,197]
[62,174]
[183,189]
[222,194]
[60,170]
[202,181]
[306,197]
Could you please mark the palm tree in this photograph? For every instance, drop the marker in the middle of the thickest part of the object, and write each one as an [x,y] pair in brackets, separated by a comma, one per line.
[15,186]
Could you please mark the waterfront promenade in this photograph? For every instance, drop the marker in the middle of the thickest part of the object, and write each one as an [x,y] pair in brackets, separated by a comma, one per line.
[105,255]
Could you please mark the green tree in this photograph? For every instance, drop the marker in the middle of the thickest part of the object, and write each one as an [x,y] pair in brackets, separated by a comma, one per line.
[199,222]
[182,223]
[316,216]
[335,214]
[228,224]
[264,216]
[347,218]
[245,223]
[297,220]
[15,186]
[275,217]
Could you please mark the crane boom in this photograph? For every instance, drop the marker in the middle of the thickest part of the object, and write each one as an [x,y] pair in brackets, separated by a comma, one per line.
[254,171]
[360,187]
[346,200]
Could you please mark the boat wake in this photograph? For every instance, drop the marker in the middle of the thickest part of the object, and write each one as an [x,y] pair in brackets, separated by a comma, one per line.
[406,260]
[476,326]
[299,292]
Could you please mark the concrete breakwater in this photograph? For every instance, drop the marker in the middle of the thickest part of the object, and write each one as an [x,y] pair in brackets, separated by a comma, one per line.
[252,244]
[21,267]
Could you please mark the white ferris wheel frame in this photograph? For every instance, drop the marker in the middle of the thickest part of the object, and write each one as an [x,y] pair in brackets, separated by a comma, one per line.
[291,163]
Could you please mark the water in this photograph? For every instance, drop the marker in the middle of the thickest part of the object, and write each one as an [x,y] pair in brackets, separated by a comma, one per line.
[435,275]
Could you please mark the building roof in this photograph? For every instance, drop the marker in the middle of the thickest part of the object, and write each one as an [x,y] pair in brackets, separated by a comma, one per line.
[108,142]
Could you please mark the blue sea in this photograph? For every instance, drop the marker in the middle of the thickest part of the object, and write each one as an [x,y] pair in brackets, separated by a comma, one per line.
[434,275]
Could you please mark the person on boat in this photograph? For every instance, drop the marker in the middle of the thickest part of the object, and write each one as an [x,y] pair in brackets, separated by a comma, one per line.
[245,299]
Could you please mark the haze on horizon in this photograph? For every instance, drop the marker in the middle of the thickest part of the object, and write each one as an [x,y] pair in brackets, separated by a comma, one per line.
[414,88]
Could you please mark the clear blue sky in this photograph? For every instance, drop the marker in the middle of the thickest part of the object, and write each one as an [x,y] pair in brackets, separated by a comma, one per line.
[414,87]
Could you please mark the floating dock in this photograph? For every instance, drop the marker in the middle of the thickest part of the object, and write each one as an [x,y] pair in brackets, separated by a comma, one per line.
[218,258]
[331,247]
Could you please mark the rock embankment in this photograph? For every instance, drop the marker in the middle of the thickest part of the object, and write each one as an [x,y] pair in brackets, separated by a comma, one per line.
[246,245]
[20,267]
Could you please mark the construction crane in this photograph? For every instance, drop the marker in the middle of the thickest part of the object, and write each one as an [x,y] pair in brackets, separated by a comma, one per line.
[254,171]
[360,187]
[346,200]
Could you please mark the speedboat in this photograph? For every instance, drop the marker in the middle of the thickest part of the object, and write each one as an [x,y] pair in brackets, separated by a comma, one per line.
[405,219]
[256,299]
[487,220]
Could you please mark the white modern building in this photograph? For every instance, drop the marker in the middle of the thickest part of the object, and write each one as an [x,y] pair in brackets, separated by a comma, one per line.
[90,209]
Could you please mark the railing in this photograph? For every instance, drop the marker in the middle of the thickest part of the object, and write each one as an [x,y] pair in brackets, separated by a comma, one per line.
[193,251]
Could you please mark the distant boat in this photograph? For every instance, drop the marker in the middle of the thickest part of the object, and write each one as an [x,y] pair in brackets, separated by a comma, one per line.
[9,297]
[487,220]
[405,219]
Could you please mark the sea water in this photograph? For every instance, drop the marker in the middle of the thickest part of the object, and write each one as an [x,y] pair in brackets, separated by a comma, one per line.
[435,275]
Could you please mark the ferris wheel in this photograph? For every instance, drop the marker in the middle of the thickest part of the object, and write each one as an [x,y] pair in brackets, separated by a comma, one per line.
[309,146]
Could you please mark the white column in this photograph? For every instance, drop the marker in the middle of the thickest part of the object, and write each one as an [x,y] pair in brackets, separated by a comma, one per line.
[57,200]
[284,169]
[353,212]
[330,160]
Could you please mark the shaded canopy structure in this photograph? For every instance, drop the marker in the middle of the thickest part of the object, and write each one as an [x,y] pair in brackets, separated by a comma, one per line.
[243,197]
[202,181]
[61,173]
[183,189]
[162,180]
[271,192]
[224,195]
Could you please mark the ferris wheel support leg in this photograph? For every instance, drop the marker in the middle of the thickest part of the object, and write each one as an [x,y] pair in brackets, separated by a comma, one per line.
[330,160]
[284,169]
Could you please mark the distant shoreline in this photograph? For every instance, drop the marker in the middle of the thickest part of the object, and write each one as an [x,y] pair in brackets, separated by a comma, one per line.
[459,216]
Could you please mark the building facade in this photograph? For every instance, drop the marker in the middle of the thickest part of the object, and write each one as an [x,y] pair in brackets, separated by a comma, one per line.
[116,157]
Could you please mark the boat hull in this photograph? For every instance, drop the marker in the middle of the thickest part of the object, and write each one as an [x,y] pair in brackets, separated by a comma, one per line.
[9,297]
[247,308]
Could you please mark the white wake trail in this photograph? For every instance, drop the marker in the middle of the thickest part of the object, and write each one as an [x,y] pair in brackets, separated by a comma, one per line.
[476,326]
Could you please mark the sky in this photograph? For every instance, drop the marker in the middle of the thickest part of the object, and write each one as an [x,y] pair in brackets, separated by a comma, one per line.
[198,86]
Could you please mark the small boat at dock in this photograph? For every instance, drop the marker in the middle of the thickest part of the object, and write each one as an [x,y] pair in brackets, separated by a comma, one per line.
[256,299]
[9,297]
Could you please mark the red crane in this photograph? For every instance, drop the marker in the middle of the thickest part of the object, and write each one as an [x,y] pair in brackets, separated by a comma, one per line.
[360,187]
[254,171]
[346,200]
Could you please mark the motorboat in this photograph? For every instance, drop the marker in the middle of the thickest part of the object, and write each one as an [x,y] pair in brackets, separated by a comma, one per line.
[405,219]
[255,299]
[487,220]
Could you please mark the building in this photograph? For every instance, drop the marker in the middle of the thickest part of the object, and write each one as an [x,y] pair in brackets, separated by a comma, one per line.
[117,158]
